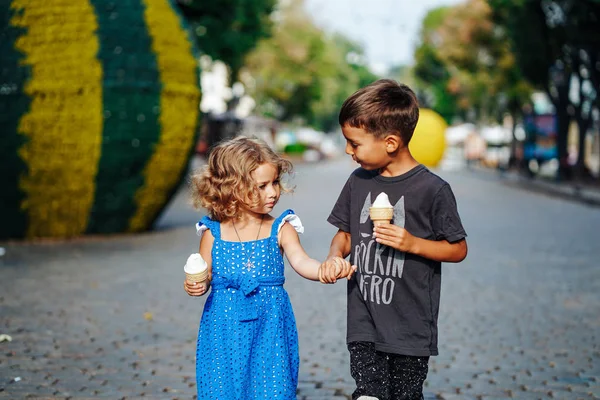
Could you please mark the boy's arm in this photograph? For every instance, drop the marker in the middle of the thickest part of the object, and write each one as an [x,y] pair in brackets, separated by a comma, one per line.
[335,266]
[448,244]
[436,250]
[340,245]
[441,250]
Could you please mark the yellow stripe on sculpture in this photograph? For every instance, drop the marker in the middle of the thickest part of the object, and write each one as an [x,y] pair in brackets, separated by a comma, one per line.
[179,101]
[64,124]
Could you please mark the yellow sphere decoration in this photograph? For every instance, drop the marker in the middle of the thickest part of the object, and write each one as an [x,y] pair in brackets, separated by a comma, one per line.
[429,141]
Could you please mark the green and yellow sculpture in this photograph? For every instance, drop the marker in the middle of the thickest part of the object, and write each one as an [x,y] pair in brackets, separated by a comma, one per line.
[99,103]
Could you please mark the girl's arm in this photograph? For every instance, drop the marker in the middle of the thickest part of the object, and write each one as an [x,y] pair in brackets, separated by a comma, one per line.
[290,243]
[205,250]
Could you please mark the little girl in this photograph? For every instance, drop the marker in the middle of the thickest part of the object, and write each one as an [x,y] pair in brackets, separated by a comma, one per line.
[247,341]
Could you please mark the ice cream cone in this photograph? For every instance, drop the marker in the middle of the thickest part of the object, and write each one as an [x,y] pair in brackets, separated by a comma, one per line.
[382,211]
[199,277]
[195,268]
[381,215]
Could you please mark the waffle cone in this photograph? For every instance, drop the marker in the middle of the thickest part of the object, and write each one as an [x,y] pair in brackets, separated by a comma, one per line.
[199,277]
[381,215]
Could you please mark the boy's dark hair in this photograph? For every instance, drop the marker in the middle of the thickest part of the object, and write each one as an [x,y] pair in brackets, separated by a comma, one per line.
[382,108]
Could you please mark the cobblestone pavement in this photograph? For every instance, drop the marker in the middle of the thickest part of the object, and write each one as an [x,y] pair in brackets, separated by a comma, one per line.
[106,317]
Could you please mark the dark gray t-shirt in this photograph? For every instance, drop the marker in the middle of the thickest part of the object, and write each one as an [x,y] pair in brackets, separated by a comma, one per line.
[394,297]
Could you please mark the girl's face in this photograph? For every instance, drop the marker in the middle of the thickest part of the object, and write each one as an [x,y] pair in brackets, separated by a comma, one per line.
[267,180]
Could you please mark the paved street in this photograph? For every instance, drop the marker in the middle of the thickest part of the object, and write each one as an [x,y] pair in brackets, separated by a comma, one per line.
[107,318]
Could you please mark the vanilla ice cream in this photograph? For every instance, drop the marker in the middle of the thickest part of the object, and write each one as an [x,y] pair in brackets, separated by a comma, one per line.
[196,269]
[381,211]
[382,201]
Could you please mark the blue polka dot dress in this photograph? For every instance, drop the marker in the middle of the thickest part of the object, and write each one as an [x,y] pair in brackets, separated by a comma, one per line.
[247,341]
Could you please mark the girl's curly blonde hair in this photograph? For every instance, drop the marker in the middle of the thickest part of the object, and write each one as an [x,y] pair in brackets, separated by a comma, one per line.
[225,183]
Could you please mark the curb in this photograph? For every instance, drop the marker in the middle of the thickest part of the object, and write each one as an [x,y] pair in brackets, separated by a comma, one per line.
[566,190]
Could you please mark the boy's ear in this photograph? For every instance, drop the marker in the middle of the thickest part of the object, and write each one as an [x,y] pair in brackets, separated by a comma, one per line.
[392,143]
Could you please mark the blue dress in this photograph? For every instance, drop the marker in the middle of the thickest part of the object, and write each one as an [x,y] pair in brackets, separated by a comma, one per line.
[247,342]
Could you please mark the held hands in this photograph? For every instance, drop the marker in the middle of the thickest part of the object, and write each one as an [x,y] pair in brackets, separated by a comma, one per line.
[335,268]
[195,288]
[394,236]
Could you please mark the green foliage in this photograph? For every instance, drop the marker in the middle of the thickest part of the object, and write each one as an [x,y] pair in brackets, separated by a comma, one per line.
[295,148]
[354,56]
[524,25]
[555,41]
[227,30]
[432,74]
[543,33]
[300,73]
[466,65]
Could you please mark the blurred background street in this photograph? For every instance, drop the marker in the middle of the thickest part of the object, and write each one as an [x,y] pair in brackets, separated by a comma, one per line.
[105,105]
[102,317]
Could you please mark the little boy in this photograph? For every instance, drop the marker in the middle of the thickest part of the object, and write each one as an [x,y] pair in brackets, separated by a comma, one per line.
[393,300]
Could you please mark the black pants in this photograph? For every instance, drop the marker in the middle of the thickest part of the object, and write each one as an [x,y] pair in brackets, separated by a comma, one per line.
[386,376]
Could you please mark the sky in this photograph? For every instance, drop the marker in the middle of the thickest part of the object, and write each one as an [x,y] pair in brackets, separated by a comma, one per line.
[387,29]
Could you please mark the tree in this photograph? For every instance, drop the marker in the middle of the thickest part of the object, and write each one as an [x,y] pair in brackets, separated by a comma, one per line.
[228,30]
[482,67]
[479,57]
[537,51]
[354,56]
[431,72]
[302,73]
[556,44]
[577,22]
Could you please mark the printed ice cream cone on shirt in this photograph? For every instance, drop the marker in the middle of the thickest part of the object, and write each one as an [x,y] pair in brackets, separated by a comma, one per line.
[196,269]
[381,211]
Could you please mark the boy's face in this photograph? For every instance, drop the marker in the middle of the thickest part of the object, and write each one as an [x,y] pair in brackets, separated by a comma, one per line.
[367,150]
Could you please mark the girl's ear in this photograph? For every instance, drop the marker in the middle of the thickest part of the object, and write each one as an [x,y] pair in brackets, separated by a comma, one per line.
[392,143]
